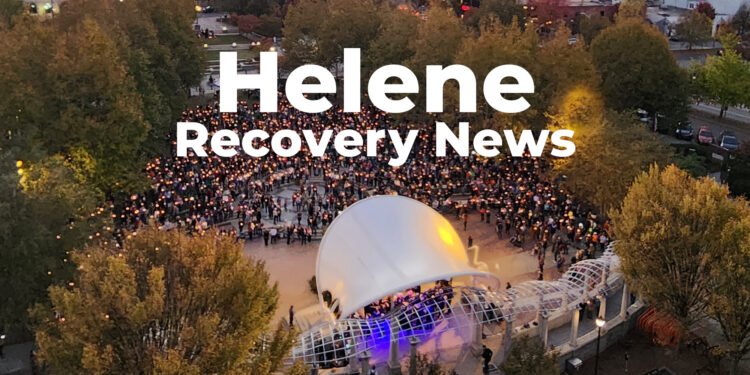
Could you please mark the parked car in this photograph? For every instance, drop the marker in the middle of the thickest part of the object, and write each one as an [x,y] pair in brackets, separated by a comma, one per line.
[684,131]
[705,136]
[729,141]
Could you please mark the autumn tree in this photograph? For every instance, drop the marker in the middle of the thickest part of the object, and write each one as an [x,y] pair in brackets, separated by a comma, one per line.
[528,356]
[391,44]
[166,304]
[705,8]
[738,177]
[694,28]
[668,229]
[349,24]
[142,65]
[45,212]
[611,149]
[437,40]
[555,65]
[247,23]
[66,90]
[303,34]
[725,79]
[729,302]
[559,68]
[499,44]
[638,70]
[631,9]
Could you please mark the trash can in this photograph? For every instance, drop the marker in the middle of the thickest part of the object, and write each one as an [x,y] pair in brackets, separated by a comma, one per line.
[573,366]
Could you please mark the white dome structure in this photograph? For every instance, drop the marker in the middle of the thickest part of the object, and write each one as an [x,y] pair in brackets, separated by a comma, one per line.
[386,244]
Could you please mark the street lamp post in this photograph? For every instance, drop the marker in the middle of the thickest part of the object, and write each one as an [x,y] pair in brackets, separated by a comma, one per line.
[599,324]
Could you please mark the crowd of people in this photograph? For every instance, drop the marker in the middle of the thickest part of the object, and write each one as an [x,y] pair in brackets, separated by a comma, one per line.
[413,300]
[240,196]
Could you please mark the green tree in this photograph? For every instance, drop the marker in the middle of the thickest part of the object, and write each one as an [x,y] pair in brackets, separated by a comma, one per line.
[165,304]
[46,210]
[159,50]
[500,44]
[741,19]
[66,90]
[725,79]
[667,230]
[349,24]
[437,40]
[589,27]
[96,105]
[692,163]
[738,178]
[391,44]
[638,70]
[729,301]
[559,68]
[270,25]
[694,28]
[303,34]
[611,149]
[528,356]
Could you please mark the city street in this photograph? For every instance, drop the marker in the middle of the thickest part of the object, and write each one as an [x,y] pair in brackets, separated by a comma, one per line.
[736,120]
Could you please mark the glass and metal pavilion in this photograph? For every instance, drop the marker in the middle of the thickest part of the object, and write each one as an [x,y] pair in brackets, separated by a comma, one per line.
[459,307]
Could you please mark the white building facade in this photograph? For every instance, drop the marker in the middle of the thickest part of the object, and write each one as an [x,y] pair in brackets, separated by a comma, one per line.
[725,7]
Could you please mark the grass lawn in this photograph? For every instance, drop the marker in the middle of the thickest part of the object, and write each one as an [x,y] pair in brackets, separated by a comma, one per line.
[224,39]
[242,54]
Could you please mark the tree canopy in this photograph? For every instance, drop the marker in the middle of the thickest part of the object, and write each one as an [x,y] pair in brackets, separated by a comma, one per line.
[738,177]
[165,303]
[741,19]
[638,70]
[729,303]
[694,28]
[528,356]
[705,8]
[667,230]
[725,79]
[83,101]
[46,211]
[611,149]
